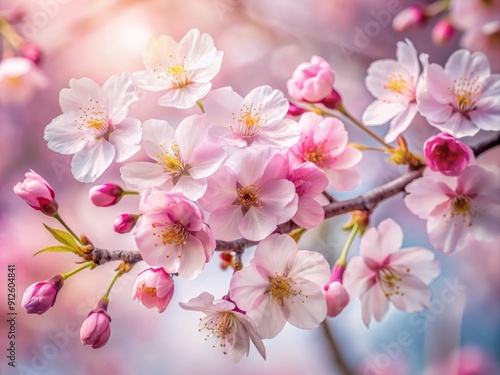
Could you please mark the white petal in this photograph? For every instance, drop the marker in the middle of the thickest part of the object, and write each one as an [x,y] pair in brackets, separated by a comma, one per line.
[273,255]
[224,222]
[142,175]
[149,81]
[257,225]
[267,103]
[185,97]
[358,277]
[157,138]
[191,188]
[380,112]
[310,265]
[401,122]
[247,288]
[374,302]
[64,136]
[414,295]
[416,261]
[121,93]
[268,318]
[92,161]
[192,259]
[83,93]
[305,312]
[126,138]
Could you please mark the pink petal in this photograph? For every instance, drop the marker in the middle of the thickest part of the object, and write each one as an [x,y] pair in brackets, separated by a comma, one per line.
[425,194]
[272,255]
[142,175]
[257,224]
[401,122]
[221,190]
[309,266]
[192,189]
[192,259]
[84,93]
[271,104]
[224,222]
[374,302]
[420,262]
[247,288]
[343,179]
[358,277]
[306,312]
[268,318]
[415,295]
[309,213]
[445,234]
[282,133]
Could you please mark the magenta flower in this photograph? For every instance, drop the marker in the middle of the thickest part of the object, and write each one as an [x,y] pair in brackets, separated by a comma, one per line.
[336,294]
[125,223]
[96,328]
[171,234]
[41,296]
[443,153]
[154,288]
[282,284]
[462,98]
[105,195]
[37,193]
[250,196]
[457,207]
[311,81]
[323,142]
[227,325]
[383,273]
[183,158]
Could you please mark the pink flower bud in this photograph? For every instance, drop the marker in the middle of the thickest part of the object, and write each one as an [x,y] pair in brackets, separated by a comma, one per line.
[336,295]
[154,287]
[37,193]
[31,52]
[443,153]
[311,81]
[442,32]
[96,328]
[125,223]
[41,296]
[293,110]
[409,18]
[333,100]
[105,195]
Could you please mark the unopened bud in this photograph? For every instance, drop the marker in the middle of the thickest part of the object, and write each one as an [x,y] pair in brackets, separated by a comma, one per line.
[409,18]
[125,223]
[333,100]
[105,195]
[96,328]
[31,52]
[442,32]
[293,110]
[41,296]
[336,295]
[37,193]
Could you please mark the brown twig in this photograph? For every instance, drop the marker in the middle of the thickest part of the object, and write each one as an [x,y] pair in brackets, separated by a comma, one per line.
[336,353]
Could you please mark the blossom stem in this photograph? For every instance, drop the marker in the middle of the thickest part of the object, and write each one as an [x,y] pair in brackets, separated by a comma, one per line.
[200,105]
[9,33]
[71,273]
[337,355]
[342,261]
[127,192]
[59,219]
[117,275]
[437,7]
[367,148]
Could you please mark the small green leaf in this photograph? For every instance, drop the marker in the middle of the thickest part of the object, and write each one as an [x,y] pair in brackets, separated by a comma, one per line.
[63,237]
[55,249]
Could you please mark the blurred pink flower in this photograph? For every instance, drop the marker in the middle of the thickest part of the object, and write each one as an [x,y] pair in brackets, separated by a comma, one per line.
[462,98]
[336,294]
[171,234]
[41,296]
[105,195]
[282,284]
[323,142]
[394,84]
[125,223]
[20,78]
[257,119]
[37,193]
[457,207]
[96,328]
[447,155]
[309,181]
[154,288]
[183,158]
[468,14]
[94,126]
[311,81]
[468,360]
[250,195]
[443,32]
[184,69]
[486,39]
[228,326]
[386,273]
[409,18]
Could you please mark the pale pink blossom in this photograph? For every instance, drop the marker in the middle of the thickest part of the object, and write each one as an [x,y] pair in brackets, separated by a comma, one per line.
[20,78]
[394,84]
[183,69]
[468,360]
[96,328]
[250,195]
[256,119]
[183,157]
[486,39]
[171,234]
[282,284]
[94,125]
[323,142]
[457,207]
[228,326]
[468,14]
[443,153]
[336,295]
[462,98]
[37,193]
[311,81]
[386,273]
[409,18]
[154,287]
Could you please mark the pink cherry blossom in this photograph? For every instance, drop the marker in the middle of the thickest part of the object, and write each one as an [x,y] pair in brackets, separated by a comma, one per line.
[462,98]
[96,328]
[443,153]
[282,284]
[468,14]
[394,84]
[250,195]
[183,158]
[227,325]
[256,119]
[311,81]
[20,78]
[486,39]
[171,234]
[37,193]
[154,288]
[457,207]
[386,273]
[323,142]
[183,69]
[336,294]
[94,125]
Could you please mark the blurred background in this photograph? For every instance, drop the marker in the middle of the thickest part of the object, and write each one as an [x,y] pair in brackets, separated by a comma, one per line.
[263,41]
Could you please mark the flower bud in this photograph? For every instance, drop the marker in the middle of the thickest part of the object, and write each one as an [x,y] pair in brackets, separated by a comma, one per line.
[31,52]
[41,296]
[336,295]
[443,153]
[333,100]
[154,287]
[96,328]
[409,18]
[125,223]
[293,110]
[37,193]
[442,32]
[105,195]
[311,81]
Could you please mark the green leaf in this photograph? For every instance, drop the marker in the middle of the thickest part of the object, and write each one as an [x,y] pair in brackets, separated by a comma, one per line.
[63,237]
[55,249]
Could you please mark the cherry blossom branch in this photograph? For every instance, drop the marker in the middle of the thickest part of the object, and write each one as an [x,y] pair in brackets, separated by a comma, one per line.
[336,353]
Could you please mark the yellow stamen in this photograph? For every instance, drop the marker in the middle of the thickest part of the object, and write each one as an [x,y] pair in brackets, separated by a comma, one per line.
[281,288]
[249,196]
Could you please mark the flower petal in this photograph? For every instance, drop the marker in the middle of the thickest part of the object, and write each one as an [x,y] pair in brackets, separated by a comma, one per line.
[91,162]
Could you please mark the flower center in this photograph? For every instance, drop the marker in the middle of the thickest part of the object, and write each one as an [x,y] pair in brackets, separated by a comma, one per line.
[389,279]
[466,93]
[221,326]
[14,80]
[249,123]
[399,84]
[460,205]
[249,196]
[175,72]
[172,234]
[171,160]
[94,119]
[281,288]
[148,290]
[317,155]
